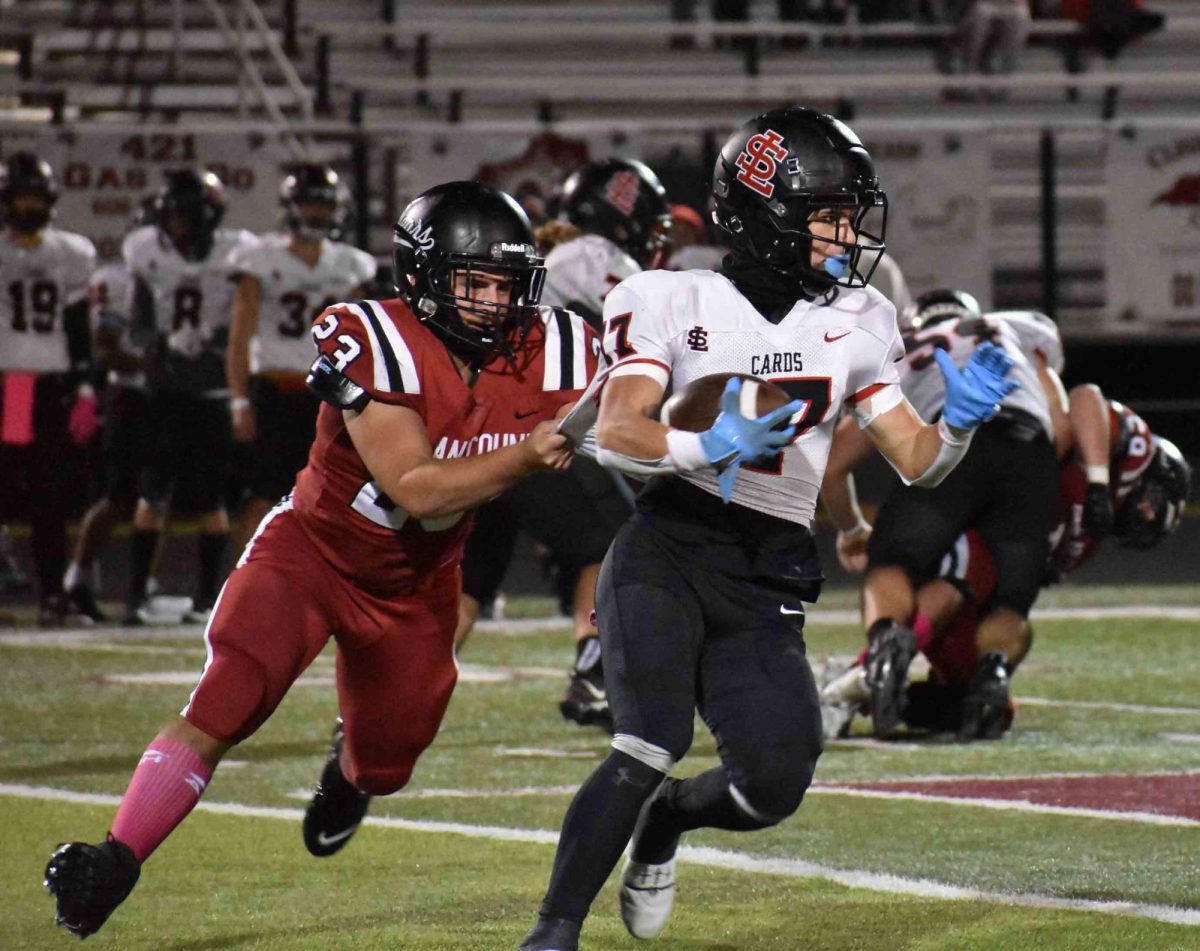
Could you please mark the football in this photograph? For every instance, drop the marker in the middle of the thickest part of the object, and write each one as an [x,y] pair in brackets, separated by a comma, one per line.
[696,406]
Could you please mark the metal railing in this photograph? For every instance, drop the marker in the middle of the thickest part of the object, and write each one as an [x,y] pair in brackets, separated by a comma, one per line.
[250,17]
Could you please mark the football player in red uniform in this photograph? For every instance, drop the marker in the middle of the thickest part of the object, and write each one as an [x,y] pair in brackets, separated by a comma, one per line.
[1119,480]
[437,401]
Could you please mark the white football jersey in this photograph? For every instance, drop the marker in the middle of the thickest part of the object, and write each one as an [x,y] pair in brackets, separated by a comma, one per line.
[110,303]
[922,377]
[294,293]
[1037,335]
[581,272]
[193,300]
[679,326]
[36,284]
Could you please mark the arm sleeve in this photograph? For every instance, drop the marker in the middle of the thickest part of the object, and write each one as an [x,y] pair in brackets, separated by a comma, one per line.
[244,259]
[364,344]
[78,273]
[79,337]
[639,339]
[364,268]
[876,389]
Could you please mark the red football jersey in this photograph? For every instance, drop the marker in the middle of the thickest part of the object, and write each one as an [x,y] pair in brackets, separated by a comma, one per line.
[385,349]
[1132,450]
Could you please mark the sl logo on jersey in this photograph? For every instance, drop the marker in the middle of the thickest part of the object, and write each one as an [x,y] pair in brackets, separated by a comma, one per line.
[759,160]
[622,192]
[697,339]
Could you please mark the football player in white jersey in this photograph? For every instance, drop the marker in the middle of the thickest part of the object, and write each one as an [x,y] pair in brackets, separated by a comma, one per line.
[283,282]
[700,600]
[46,404]
[183,290]
[1006,489]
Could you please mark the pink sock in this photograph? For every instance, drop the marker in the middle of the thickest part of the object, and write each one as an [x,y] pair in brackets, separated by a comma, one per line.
[165,787]
[922,626]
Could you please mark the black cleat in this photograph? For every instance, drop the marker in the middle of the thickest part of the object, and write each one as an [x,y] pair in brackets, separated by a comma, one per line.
[336,809]
[88,882]
[552,934]
[986,709]
[890,651]
[586,699]
[83,600]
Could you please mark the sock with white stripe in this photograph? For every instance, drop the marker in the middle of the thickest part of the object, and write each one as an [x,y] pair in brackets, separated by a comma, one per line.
[165,787]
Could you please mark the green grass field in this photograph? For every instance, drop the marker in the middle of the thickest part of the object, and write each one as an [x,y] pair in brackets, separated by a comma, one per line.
[462,856]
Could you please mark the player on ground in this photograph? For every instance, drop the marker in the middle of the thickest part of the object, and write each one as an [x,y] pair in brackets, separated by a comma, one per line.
[436,401]
[620,214]
[284,281]
[1005,488]
[183,290]
[48,407]
[699,602]
[1119,480]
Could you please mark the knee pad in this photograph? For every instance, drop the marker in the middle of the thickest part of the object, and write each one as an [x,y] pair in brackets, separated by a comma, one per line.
[233,699]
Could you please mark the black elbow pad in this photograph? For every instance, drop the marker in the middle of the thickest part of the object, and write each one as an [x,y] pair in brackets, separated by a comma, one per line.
[330,385]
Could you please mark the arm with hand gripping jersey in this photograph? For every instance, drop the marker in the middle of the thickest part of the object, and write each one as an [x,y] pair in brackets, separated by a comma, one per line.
[630,439]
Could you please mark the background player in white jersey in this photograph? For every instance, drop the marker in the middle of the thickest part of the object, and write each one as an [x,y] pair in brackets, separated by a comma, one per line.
[1006,489]
[283,282]
[183,289]
[46,405]
[119,351]
[699,602]
[619,216]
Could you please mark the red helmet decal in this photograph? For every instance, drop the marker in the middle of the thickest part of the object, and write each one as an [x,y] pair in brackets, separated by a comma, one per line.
[621,192]
[759,160]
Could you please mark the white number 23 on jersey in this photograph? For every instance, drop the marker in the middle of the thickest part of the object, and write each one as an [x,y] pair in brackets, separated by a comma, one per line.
[350,347]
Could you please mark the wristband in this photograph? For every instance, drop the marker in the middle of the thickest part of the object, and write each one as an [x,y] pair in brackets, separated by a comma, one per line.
[238,402]
[857,531]
[685,452]
[953,436]
[1097,474]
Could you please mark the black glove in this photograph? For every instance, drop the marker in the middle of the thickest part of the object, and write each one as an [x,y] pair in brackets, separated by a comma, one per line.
[1097,511]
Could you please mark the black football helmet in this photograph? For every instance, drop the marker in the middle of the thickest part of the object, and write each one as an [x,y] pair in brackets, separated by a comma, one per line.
[935,306]
[775,173]
[314,184]
[1153,509]
[461,228]
[189,209]
[623,200]
[26,174]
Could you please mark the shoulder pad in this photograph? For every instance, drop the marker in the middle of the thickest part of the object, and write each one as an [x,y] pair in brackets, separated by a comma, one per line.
[331,386]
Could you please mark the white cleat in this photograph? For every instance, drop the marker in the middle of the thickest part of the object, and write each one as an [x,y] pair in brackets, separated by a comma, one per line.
[647,895]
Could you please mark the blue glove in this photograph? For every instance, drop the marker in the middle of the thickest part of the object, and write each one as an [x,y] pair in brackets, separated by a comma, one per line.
[973,394]
[733,438]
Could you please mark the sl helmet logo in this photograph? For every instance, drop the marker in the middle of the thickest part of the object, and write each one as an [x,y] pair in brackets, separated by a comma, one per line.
[758,161]
[621,192]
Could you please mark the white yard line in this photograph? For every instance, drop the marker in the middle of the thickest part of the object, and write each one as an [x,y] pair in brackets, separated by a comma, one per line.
[521,792]
[522,626]
[713,858]
[467,674]
[1102,705]
[1007,805]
